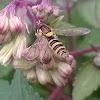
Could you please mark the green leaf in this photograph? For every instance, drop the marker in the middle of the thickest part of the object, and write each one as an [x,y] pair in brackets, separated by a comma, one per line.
[18,90]
[93,98]
[21,89]
[56,22]
[80,61]
[78,20]
[4,89]
[64,25]
[90,11]
[4,71]
[42,90]
[86,81]
[91,38]
[3,4]
[68,90]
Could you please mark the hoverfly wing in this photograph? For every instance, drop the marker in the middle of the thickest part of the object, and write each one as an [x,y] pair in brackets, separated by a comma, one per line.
[72,32]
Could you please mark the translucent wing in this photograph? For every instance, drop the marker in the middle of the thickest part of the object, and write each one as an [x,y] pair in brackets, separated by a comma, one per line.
[72,31]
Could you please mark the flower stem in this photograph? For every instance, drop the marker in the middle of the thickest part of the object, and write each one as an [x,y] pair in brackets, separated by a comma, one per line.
[70,38]
[32,19]
[83,51]
[62,96]
[55,93]
[27,2]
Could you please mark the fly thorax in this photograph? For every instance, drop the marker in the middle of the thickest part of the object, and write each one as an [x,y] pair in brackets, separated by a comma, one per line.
[49,34]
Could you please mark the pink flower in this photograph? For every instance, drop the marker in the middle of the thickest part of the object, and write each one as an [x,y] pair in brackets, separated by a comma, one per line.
[16,25]
[30,75]
[31,52]
[5,38]
[3,24]
[18,64]
[43,76]
[6,53]
[45,55]
[44,9]
[97,59]
[20,45]
[12,49]
[48,68]
[56,11]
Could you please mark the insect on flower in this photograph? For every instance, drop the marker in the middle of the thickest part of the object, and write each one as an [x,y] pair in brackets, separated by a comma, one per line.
[58,48]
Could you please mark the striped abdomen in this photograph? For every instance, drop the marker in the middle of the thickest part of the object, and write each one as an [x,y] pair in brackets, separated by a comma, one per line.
[58,47]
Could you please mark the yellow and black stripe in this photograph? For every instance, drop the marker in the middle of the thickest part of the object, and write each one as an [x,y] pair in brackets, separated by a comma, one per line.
[57,47]
[54,43]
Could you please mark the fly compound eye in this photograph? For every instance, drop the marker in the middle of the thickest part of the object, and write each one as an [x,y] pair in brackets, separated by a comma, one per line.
[40,32]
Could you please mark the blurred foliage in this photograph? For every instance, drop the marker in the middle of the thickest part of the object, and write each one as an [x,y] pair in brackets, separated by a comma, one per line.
[90,11]
[42,90]
[86,81]
[19,89]
[87,76]
[5,71]
[3,4]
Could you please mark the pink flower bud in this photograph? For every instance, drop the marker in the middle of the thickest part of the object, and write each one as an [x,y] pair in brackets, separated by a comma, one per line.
[64,69]
[4,38]
[34,9]
[20,45]
[31,52]
[23,64]
[46,55]
[43,76]
[58,79]
[52,65]
[6,53]
[3,24]
[73,64]
[30,75]
[39,8]
[16,24]
[96,60]
[56,11]
[48,10]
[44,19]
[71,61]
[40,15]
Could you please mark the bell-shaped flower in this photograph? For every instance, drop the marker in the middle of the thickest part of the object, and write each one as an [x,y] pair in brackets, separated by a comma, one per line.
[6,53]
[5,38]
[20,45]
[96,59]
[45,55]
[31,52]
[56,11]
[48,68]
[3,24]
[58,79]
[44,9]
[16,25]
[23,64]
[31,75]
[43,76]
